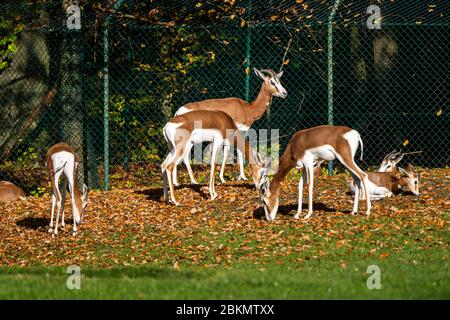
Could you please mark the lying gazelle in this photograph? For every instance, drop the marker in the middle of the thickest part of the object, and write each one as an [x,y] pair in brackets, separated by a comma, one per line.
[385,184]
[61,159]
[10,192]
[305,147]
[202,126]
[243,113]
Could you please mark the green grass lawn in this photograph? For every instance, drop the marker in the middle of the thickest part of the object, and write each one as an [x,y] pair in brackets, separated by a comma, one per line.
[317,279]
[134,246]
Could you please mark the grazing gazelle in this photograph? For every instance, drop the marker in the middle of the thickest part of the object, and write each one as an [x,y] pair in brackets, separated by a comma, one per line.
[61,159]
[305,147]
[244,114]
[385,184]
[215,126]
[10,192]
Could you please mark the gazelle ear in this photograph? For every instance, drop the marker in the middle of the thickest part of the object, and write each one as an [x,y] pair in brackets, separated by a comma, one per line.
[264,186]
[85,190]
[256,157]
[259,74]
[280,74]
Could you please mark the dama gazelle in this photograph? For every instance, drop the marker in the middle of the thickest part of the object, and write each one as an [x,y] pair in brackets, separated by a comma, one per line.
[60,159]
[10,192]
[244,114]
[216,127]
[305,147]
[385,184]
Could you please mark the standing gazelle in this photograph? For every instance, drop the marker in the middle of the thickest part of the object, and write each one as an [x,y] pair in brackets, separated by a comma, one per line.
[305,147]
[200,126]
[244,114]
[61,159]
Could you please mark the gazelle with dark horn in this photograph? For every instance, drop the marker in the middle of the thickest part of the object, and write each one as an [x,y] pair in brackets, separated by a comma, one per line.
[201,126]
[385,184]
[305,147]
[61,160]
[244,114]
[390,161]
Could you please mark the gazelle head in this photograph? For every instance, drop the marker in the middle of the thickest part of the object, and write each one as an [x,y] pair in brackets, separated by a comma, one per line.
[272,81]
[390,161]
[262,168]
[410,180]
[269,199]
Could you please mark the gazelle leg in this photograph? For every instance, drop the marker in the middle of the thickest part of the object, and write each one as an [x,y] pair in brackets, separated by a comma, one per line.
[63,202]
[215,147]
[226,148]
[361,177]
[310,169]
[72,199]
[357,183]
[187,162]
[171,187]
[50,229]
[300,193]
[175,174]
[165,173]
[240,157]
[366,191]
[58,209]
[165,191]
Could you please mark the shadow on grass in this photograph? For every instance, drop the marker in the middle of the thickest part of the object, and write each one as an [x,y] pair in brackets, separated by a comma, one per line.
[291,210]
[132,272]
[33,223]
[156,194]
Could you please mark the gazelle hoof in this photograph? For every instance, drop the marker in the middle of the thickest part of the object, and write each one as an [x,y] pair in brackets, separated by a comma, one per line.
[242,178]
[50,230]
[353,213]
[297,215]
[308,216]
[176,184]
[222,179]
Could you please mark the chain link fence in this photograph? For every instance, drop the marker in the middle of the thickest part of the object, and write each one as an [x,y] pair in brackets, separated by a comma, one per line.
[109,87]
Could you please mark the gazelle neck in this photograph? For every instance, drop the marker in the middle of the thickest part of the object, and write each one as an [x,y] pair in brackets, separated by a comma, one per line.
[256,109]
[285,165]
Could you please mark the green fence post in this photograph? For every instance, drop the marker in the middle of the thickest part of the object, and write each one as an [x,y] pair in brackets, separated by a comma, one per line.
[330,72]
[248,52]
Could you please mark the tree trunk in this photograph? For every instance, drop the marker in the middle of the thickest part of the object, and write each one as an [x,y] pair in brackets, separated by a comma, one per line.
[70,91]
